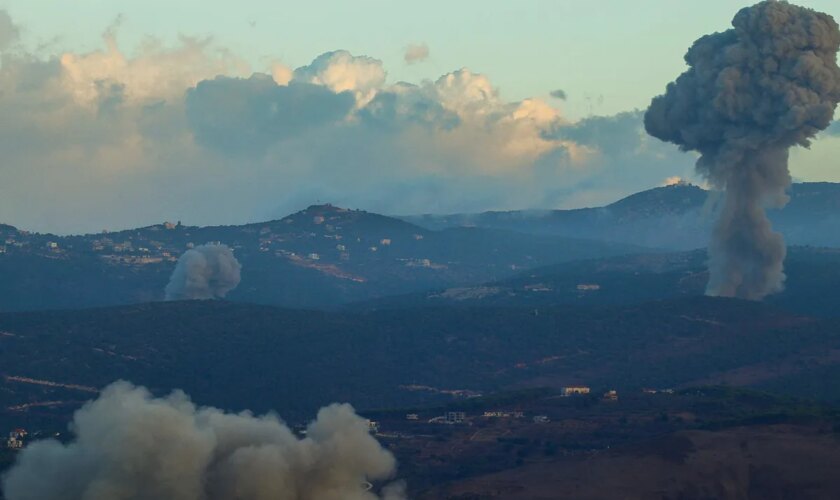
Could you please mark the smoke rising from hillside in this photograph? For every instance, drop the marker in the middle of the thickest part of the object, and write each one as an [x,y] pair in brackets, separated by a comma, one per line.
[751,93]
[204,272]
[131,446]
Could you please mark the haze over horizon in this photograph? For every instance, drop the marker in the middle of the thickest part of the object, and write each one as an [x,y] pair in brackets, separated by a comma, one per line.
[219,119]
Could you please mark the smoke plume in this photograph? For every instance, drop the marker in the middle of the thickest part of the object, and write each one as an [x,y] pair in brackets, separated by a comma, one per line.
[205,272]
[131,446]
[751,93]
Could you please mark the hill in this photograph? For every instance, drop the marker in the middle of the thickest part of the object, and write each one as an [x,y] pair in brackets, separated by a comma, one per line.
[327,257]
[703,442]
[320,257]
[243,356]
[768,462]
[677,217]
[813,275]
[510,362]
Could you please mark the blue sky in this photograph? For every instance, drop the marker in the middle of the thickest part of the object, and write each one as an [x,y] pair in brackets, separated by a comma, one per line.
[135,127]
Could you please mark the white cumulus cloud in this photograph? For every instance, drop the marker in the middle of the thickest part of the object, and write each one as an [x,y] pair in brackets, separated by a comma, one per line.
[103,139]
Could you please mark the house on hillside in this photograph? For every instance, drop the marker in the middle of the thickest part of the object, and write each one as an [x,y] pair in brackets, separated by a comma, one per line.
[504,414]
[455,417]
[575,390]
[16,438]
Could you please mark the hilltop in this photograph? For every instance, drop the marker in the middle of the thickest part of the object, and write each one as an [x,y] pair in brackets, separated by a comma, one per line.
[327,257]
[323,256]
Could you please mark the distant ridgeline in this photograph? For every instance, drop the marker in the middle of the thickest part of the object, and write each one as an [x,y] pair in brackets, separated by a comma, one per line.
[677,217]
[326,257]
[323,256]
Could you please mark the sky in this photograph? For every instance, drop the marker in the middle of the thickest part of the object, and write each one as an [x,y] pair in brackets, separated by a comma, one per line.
[114,115]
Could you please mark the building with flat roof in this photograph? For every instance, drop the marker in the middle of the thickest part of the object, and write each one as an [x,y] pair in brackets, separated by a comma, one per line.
[575,390]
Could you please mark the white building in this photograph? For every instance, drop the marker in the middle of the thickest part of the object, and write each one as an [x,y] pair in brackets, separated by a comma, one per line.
[575,390]
[14,443]
[504,414]
[455,417]
[15,439]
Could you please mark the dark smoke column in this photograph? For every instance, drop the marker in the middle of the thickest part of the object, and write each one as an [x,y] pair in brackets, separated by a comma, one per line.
[751,93]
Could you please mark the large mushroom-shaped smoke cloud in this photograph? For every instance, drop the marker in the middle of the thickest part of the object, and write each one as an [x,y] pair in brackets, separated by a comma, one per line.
[751,93]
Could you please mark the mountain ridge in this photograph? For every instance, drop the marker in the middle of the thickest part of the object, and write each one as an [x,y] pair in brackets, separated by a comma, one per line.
[322,256]
[676,217]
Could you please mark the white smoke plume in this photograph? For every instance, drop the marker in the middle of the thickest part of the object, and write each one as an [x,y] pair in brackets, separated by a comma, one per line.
[130,445]
[750,94]
[205,272]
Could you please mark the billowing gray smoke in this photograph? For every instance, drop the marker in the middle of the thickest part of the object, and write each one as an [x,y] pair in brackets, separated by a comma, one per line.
[750,94]
[204,272]
[131,446]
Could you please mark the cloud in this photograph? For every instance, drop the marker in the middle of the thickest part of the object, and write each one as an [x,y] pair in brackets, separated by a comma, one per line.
[281,73]
[834,128]
[103,139]
[416,53]
[205,272]
[558,94]
[157,72]
[405,104]
[341,71]
[9,31]
[249,114]
[129,444]
[617,135]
